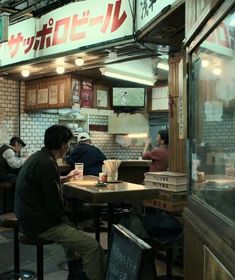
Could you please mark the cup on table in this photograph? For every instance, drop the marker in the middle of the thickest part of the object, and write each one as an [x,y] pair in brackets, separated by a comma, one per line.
[79,166]
[112,176]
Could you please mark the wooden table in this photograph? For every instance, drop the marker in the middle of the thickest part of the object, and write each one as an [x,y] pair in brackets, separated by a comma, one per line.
[88,190]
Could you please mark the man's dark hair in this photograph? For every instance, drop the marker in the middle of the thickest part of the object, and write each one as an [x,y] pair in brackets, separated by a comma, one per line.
[56,135]
[164,136]
[15,140]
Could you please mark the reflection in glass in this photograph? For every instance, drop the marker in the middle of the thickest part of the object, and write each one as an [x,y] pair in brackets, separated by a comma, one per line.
[212,119]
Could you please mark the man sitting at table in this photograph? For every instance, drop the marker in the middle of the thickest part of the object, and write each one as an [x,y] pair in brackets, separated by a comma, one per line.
[10,163]
[40,210]
[90,155]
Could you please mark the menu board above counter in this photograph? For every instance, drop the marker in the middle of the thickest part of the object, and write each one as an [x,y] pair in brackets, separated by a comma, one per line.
[67,91]
[50,93]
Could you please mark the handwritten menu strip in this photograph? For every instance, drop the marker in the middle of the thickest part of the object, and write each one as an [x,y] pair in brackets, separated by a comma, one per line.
[42,95]
[31,97]
[125,255]
[53,99]
[62,93]
[48,93]
[102,97]
[160,98]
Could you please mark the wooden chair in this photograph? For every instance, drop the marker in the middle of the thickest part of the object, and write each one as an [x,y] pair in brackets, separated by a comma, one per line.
[9,220]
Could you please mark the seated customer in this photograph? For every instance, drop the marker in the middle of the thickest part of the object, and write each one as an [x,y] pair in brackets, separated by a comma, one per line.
[90,155]
[40,210]
[10,163]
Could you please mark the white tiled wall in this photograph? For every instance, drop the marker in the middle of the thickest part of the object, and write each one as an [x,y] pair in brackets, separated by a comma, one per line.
[8,109]
[33,126]
[107,142]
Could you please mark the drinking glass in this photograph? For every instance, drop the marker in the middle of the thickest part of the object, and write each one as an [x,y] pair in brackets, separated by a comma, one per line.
[79,166]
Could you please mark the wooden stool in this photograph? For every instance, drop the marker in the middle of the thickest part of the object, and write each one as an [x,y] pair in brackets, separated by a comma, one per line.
[4,188]
[167,247]
[39,242]
[9,220]
[96,213]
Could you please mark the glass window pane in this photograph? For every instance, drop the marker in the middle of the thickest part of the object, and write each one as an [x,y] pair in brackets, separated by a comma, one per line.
[212,119]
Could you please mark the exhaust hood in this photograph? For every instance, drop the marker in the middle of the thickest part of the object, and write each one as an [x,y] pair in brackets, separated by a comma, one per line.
[124,123]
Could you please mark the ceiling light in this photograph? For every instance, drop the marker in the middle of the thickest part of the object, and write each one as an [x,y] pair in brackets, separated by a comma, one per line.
[205,63]
[217,71]
[60,69]
[128,76]
[232,22]
[79,61]
[163,66]
[25,73]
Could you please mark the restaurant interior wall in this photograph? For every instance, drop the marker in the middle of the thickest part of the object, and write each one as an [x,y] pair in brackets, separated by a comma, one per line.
[8,109]
[33,125]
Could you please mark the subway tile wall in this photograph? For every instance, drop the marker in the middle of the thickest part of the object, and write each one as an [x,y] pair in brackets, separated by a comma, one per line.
[107,142]
[9,111]
[215,132]
[33,126]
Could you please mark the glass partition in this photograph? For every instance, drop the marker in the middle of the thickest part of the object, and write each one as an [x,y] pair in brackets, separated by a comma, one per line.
[212,120]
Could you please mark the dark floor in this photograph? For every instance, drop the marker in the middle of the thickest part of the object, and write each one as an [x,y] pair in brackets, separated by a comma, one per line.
[54,267]
[54,260]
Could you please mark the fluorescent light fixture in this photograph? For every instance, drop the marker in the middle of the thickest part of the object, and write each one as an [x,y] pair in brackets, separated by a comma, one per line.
[137,135]
[25,73]
[205,63]
[60,69]
[117,74]
[163,66]
[79,61]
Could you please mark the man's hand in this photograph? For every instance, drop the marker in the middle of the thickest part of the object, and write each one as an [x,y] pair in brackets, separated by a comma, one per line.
[148,145]
[73,175]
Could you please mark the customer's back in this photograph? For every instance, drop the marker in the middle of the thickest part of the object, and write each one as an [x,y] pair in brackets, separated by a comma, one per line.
[90,155]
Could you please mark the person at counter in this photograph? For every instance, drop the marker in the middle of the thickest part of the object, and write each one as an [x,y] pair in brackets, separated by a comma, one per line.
[90,155]
[10,163]
[158,155]
[40,210]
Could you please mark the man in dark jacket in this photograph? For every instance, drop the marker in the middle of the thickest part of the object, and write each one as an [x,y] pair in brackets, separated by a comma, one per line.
[10,163]
[40,210]
[90,155]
